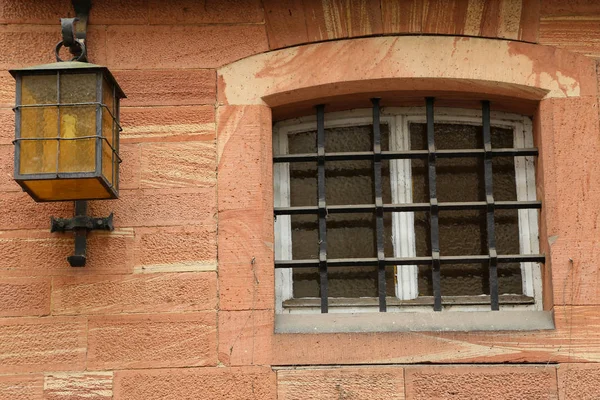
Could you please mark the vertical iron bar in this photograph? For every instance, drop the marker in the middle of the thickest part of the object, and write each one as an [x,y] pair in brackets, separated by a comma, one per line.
[79,257]
[433,209]
[489,199]
[322,205]
[99,121]
[57,122]
[17,165]
[116,134]
[377,182]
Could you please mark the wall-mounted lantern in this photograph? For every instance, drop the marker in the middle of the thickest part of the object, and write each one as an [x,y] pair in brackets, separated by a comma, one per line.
[67,134]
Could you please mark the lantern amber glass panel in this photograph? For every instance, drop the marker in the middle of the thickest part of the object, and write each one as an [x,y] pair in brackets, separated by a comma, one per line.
[67,131]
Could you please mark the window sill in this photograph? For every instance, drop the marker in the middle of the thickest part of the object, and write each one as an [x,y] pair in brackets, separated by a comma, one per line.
[459,321]
[338,302]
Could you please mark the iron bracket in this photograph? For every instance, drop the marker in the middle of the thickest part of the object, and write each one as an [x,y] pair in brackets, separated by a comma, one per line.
[74,31]
[80,224]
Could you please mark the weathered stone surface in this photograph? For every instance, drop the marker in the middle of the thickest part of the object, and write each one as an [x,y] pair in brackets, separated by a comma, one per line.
[245,337]
[129,172]
[21,212]
[16,49]
[208,12]
[42,344]
[244,158]
[159,207]
[246,273]
[579,34]
[34,12]
[162,124]
[78,386]
[111,12]
[477,382]
[176,249]
[246,383]
[134,293]
[186,164]
[285,22]
[175,87]
[373,383]
[22,387]
[24,296]
[152,341]
[7,183]
[578,381]
[165,46]
[375,65]
[573,340]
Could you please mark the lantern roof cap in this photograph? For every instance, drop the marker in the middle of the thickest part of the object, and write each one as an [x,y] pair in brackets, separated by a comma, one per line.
[70,66]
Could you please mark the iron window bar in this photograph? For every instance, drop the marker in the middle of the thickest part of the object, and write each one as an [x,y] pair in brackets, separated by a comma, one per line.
[322,207]
[427,260]
[405,154]
[433,206]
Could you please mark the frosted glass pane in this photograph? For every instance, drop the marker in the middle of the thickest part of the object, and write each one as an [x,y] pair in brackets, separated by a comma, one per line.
[107,125]
[348,235]
[68,189]
[107,168]
[77,155]
[77,88]
[38,157]
[107,96]
[38,89]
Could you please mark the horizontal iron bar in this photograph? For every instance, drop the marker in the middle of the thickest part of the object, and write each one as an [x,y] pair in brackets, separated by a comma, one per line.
[409,207]
[406,154]
[71,138]
[90,103]
[371,262]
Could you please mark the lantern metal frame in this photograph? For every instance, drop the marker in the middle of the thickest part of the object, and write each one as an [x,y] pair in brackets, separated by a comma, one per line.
[74,37]
[72,67]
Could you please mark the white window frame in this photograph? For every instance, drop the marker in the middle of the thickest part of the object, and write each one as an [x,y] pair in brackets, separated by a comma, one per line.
[403,236]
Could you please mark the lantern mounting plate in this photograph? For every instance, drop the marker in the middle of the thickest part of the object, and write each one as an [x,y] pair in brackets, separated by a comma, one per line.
[81,224]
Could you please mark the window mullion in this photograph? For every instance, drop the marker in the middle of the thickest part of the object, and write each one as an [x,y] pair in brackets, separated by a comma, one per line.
[403,224]
[283,226]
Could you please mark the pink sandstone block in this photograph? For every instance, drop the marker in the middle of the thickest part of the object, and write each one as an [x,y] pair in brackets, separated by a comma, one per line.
[285,23]
[578,381]
[245,383]
[129,169]
[165,46]
[175,249]
[245,251]
[245,337]
[24,296]
[35,12]
[42,344]
[162,124]
[174,87]
[152,341]
[478,382]
[78,385]
[134,293]
[244,157]
[159,207]
[373,383]
[183,164]
[184,12]
[22,387]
